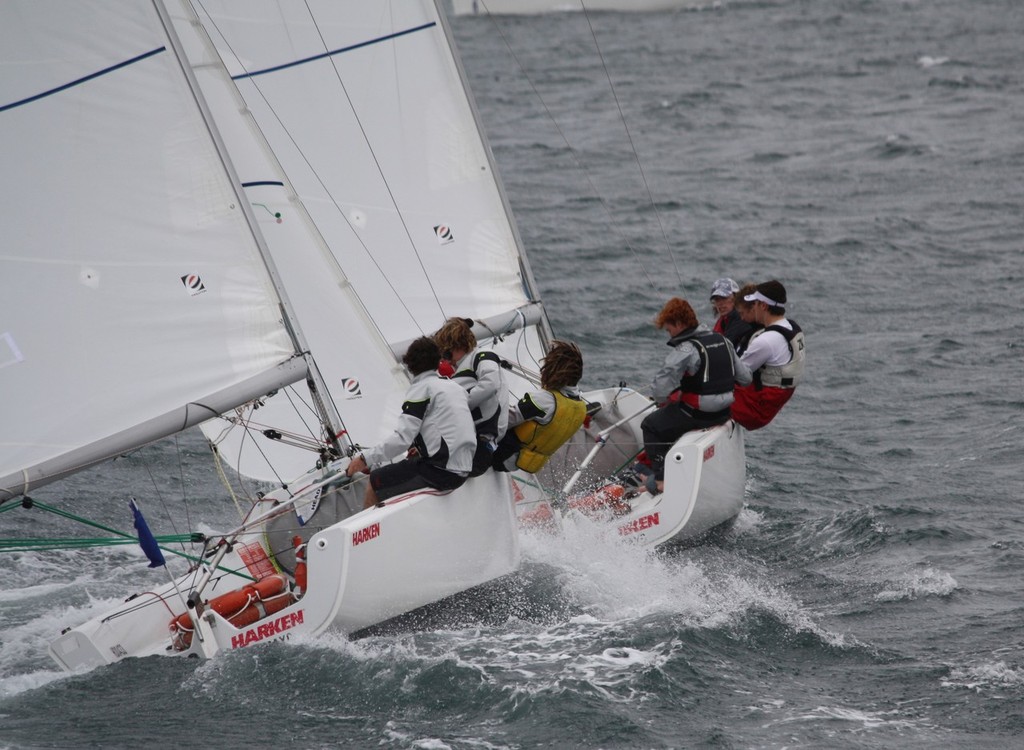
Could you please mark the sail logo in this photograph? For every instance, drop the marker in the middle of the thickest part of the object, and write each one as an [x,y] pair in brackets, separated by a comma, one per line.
[266,630]
[640,524]
[193,284]
[444,234]
[351,388]
[709,453]
[364,535]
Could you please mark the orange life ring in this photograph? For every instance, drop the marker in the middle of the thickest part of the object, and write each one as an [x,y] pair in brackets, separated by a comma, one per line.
[610,497]
[241,607]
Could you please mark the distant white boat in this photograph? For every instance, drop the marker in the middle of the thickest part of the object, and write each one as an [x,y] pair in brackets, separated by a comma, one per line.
[529,7]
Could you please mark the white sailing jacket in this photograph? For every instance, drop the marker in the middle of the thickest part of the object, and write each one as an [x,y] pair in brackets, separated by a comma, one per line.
[436,419]
[480,373]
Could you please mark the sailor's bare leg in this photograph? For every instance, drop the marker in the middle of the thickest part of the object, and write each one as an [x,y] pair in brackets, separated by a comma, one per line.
[370,499]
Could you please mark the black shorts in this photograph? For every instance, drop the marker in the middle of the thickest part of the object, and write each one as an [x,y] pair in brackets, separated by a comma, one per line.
[409,475]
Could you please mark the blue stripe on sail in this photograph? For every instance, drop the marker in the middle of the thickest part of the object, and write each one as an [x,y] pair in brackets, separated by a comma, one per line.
[89,77]
[322,55]
[258,183]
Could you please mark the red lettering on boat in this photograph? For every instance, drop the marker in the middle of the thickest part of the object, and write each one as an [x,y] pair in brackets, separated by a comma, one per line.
[267,629]
[639,524]
[709,452]
[364,535]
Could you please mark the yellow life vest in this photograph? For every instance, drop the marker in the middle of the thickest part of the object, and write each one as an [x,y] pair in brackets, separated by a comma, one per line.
[540,441]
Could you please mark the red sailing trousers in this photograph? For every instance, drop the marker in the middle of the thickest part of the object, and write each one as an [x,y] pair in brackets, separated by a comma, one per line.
[755,408]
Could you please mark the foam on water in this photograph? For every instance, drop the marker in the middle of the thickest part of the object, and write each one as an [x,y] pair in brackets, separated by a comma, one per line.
[914,584]
[854,719]
[985,677]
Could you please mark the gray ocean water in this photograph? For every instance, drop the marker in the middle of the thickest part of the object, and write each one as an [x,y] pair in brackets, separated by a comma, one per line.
[869,154]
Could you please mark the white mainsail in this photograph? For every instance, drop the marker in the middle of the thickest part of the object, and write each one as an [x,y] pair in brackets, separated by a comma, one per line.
[134,226]
[142,295]
[370,129]
[135,301]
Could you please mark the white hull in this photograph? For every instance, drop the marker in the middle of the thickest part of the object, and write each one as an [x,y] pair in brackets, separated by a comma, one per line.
[362,570]
[705,476]
[365,567]
[524,7]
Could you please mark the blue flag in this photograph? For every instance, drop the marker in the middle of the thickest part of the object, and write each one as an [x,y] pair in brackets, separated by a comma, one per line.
[146,539]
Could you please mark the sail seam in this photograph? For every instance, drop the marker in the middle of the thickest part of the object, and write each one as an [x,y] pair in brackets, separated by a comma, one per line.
[332,53]
[84,79]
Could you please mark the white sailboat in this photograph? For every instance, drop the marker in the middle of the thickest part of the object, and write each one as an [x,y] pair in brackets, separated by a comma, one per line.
[258,204]
[391,86]
[529,7]
[169,288]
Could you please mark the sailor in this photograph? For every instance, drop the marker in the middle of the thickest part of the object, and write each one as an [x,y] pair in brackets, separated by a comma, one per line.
[480,372]
[542,421]
[693,388]
[775,355]
[435,428]
[728,321]
[746,312]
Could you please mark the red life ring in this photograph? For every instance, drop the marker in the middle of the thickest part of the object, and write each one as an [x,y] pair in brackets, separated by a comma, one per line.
[609,497]
[241,607]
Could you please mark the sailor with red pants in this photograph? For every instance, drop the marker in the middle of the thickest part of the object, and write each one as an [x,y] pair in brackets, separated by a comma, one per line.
[775,355]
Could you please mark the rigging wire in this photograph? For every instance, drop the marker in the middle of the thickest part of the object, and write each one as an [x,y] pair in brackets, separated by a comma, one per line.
[632,145]
[573,153]
[320,180]
[222,475]
[156,487]
[181,478]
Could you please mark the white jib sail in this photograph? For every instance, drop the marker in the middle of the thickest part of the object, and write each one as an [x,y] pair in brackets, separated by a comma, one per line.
[132,288]
[366,117]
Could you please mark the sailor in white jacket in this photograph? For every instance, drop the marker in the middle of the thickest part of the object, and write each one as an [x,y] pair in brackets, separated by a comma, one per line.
[480,372]
[435,422]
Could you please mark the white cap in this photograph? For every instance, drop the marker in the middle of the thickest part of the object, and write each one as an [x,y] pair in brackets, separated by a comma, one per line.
[724,288]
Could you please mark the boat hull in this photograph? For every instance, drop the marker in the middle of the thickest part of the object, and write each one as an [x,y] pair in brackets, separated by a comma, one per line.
[361,570]
[705,476]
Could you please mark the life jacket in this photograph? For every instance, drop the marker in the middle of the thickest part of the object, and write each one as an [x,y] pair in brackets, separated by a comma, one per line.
[789,374]
[716,373]
[490,425]
[540,441]
[744,342]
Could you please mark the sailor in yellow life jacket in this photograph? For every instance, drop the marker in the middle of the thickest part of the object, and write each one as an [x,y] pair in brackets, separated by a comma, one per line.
[541,421]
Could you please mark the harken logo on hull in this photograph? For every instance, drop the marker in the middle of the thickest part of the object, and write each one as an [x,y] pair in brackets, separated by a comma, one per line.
[364,535]
[272,629]
[640,524]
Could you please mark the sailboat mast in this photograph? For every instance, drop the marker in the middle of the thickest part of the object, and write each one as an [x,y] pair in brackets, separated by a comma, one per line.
[544,325]
[328,414]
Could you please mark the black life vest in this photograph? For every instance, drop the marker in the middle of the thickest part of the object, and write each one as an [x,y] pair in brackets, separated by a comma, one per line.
[490,425]
[716,373]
